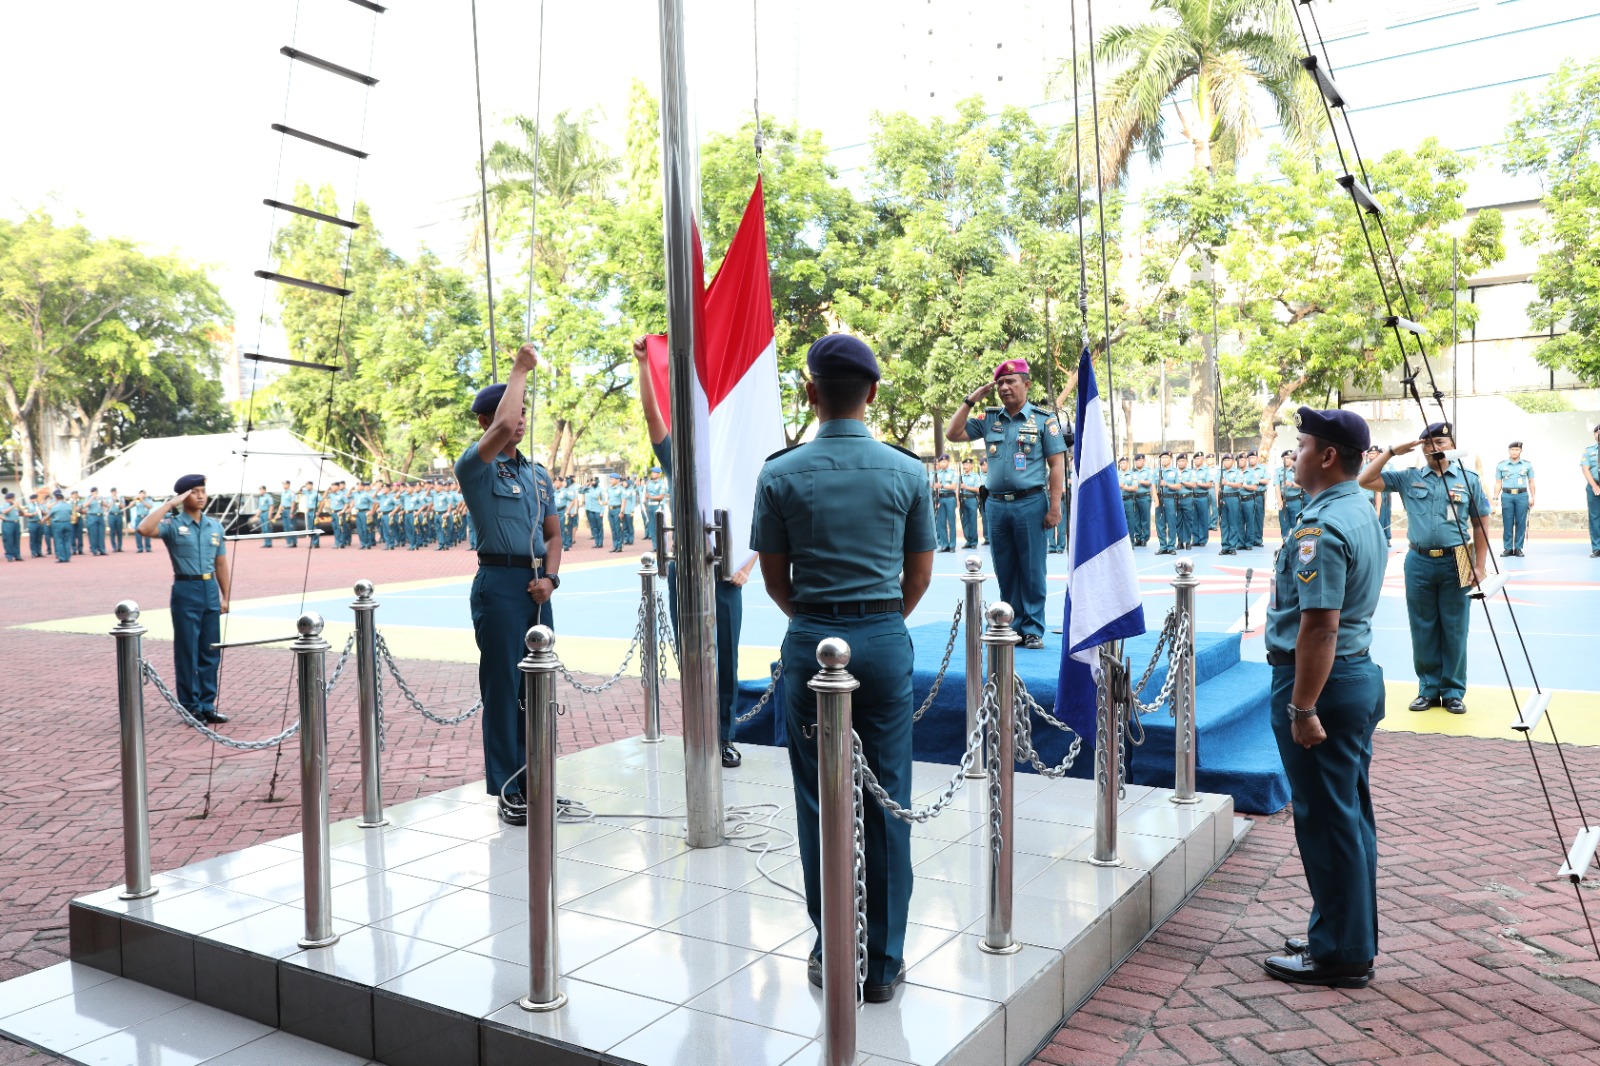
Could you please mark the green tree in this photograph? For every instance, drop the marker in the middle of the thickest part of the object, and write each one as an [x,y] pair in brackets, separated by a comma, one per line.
[87,323]
[1304,298]
[1556,137]
[184,401]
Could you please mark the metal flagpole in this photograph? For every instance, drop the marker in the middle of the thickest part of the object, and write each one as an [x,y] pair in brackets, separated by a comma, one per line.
[697,620]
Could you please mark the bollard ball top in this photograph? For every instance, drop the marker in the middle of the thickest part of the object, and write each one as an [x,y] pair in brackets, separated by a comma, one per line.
[364,589]
[540,639]
[973,564]
[127,612]
[1185,567]
[833,654]
[648,561]
[309,624]
[1000,613]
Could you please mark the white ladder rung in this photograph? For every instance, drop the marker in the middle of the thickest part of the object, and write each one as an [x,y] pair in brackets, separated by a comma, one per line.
[1488,586]
[1532,711]
[1582,854]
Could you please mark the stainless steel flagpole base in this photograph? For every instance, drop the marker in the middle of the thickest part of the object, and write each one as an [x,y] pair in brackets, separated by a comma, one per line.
[135,777]
[539,668]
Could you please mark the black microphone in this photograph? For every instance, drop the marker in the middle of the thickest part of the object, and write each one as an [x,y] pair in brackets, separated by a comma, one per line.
[1249,572]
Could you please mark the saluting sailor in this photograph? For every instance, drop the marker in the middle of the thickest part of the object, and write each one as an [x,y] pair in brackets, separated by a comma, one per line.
[1027,475]
[511,503]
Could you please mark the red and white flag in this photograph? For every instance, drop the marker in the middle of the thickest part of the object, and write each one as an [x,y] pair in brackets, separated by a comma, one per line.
[737,375]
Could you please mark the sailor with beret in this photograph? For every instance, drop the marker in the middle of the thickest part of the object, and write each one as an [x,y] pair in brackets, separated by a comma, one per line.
[1230,506]
[1027,448]
[844,531]
[511,501]
[1445,508]
[1590,464]
[1291,497]
[1142,485]
[1188,514]
[200,586]
[1514,488]
[1327,698]
[971,482]
[1169,530]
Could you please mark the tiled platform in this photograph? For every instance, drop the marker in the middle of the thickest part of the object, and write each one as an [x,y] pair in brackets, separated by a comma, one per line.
[668,955]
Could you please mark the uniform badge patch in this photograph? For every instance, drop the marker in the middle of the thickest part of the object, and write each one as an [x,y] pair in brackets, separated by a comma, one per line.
[1306,576]
[1306,551]
[1308,531]
[183,531]
[993,448]
[516,489]
[1052,427]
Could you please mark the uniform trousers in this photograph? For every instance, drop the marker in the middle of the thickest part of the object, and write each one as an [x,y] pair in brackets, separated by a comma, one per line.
[11,534]
[1437,608]
[1384,518]
[114,531]
[730,620]
[1017,538]
[1333,819]
[1168,529]
[1258,518]
[288,524]
[969,521]
[597,527]
[502,614]
[1202,518]
[1288,514]
[61,533]
[1232,523]
[36,538]
[944,521]
[1594,516]
[1514,520]
[614,521]
[881,708]
[1188,520]
[1141,512]
[196,626]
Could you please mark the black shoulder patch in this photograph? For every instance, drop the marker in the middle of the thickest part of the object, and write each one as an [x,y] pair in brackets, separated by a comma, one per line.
[905,451]
[781,451]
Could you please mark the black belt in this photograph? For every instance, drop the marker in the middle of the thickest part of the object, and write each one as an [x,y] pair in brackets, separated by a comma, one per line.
[1293,495]
[856,607]
[525,561]
[942,495]
[1226,493]
[1435,553]
[1012,497]
[191,577]
[1286,658]
[1513,492]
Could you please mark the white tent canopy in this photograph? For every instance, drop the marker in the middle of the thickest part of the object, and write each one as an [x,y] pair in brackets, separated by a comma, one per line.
[230,463]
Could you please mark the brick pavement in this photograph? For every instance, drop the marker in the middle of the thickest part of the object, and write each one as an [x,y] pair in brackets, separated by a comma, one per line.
[1485,958]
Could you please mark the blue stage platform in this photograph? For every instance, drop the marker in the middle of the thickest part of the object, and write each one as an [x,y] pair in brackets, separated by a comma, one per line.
[1236,755]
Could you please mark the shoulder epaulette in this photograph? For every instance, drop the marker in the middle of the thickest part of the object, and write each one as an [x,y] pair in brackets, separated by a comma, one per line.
[904,451]
[780,451]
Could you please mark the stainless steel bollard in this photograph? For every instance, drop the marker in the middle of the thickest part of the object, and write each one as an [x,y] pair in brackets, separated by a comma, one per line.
[1185,740]
[372,815]
[310,651]
[837,803]
[972,587]
[1002,641]
[1107,763]
[135,780]
[539,668]
[650,651]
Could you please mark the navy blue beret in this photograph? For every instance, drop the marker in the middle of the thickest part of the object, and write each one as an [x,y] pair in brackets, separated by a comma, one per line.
[1436,429]
[488,398]
[1138,455]
[1336,427]
[839,355]
[188,481]
[1167,455]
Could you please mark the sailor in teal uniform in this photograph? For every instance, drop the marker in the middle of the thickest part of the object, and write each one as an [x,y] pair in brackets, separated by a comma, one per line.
[138,507]
[200,586]
[38,526]
[387,507]
[1142,486]
[594,511]
[1205,490]
[655,500]
[1169,531]
[946,485]
[94,514]
[115,507]
[630,505]
[1445,508]
[1187,518]
[1291,497]
[61,527]
[971,482]
[1125,483]
[1057,537]
[1327,698]
[1027,474]
[1514,488]
[338,500]
[1590,464]
[511,501]
[613,501]
[1229,503]
[11,527]
[845,537]
[361,502]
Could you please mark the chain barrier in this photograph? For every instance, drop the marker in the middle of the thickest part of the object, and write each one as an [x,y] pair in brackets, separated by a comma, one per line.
[666,635]
[975,745]
[772,686]
[1023,731]
[411,697]
[1177,629]
[148,671]
[858,846]
[944,664]
[1168,627]
[633,646]
[338,668]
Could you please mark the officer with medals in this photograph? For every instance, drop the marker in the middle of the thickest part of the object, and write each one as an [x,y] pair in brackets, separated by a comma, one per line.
[844,531]
[1445,508]
[1590,464]
[1327,698]
[511,502]
[1026,478]
[945,484]
[971,482]
[1230,504]
[1514,488]
[1142,486]
[200,586]
[1291,497]
[1168,530]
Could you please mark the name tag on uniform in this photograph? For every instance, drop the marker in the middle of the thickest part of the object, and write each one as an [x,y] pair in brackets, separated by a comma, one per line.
[183,531]
[1021,461]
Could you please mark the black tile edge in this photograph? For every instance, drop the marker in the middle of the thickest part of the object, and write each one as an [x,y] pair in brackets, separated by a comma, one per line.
[410,1033]
[158,956]
[236,981]
[504,1045]
[94,938]
[326,1009]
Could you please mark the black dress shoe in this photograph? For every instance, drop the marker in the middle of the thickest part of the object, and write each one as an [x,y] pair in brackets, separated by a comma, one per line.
[513,808]
[213,717]
[1455,706]
[1422,703]
[1304,970]
[1033,643]
[1594,555]
[1296,945]
[883,993]
[1228,551]
[731,756]
[1508,553]
[814,970]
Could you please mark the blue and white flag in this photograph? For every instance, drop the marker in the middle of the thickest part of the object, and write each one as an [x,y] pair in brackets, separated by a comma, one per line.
[1103,601]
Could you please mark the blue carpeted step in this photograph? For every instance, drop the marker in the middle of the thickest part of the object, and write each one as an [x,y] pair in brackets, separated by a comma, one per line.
[1236,752]
[1213,654]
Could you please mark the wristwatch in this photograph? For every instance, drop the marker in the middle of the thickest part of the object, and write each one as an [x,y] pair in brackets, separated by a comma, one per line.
[554,579]
[1297,713]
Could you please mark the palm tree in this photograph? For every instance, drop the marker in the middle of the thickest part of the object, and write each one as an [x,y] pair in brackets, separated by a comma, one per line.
[1211,60]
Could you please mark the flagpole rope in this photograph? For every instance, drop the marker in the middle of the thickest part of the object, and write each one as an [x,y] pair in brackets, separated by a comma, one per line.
[755,47]
[483,194]
[1100,207]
